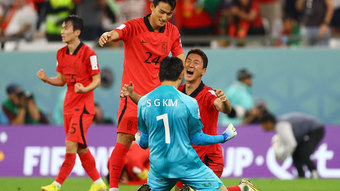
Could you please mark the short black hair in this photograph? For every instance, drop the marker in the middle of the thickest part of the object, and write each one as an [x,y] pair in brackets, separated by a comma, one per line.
[170,69]
[77,22]
[172,3]
[267,117]
[202,54]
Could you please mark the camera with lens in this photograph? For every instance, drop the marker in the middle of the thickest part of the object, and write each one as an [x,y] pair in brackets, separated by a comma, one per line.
[25,94]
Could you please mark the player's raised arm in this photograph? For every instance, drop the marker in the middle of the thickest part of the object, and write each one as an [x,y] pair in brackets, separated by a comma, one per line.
[182,57]
[58,80]
[108,37]
[222,104]
[96,80]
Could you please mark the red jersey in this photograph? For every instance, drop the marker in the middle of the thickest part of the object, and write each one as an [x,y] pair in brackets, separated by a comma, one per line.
[189,16]
[205,97]
[136,158]
[78,67]
[257,22]
[144,50]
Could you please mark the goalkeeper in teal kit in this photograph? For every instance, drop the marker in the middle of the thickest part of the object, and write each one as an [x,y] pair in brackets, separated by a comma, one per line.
[169,121]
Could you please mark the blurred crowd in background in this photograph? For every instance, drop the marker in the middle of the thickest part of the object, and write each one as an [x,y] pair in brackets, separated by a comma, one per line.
[283,22]
[20,108]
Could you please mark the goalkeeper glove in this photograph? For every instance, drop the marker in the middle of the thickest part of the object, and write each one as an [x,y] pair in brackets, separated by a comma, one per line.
[141,174]
[229,133]
[137,137]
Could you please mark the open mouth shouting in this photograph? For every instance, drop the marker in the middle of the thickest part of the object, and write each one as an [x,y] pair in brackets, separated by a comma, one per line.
[189,73]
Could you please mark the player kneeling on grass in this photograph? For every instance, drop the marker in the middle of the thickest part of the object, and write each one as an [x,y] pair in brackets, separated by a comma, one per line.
[197,59]
[169,121]
[77,66]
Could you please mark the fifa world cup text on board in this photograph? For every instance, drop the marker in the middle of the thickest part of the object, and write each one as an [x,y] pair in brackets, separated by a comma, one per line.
[46,161]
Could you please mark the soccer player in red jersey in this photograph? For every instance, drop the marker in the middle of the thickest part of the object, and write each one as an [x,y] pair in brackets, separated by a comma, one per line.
[137,164]
[210,103]
[146,42]
[77,66]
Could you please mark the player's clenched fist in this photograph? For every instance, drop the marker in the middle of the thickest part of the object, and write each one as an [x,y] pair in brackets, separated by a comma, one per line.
[220,94]
[41,74]
[79,88]
[106,37]
[127,90]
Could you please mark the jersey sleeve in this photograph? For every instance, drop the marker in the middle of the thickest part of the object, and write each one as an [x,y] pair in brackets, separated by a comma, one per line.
[176,48]
[123,30]
[141,123]
[210,97]
[195,124]
[58,67]
[93,66]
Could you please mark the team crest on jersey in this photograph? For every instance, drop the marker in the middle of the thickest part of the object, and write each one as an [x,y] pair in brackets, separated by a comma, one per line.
[164,47]
[129,124]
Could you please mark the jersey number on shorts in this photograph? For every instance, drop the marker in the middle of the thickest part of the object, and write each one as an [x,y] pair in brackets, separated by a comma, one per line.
[73,128]
[164,117]
[154,60]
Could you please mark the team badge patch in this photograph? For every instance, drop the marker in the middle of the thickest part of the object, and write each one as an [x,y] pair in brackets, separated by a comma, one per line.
[94,62]
[121,26]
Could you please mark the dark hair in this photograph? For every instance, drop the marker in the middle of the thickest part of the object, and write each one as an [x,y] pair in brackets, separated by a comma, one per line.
[170,69]
[243,74]
[172,3]
[12,88]
[77,22]
[267,117]
[202,54]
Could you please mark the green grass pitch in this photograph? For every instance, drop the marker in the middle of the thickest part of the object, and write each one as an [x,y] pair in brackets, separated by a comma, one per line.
[80,184]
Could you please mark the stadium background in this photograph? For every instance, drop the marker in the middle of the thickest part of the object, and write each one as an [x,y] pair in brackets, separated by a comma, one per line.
[304,79]
[288,80]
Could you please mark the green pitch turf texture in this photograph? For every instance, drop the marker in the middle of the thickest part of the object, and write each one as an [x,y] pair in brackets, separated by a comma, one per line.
[80,184]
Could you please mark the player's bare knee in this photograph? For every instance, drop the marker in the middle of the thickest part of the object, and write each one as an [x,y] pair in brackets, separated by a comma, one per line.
[81,151]
[71,147]
[223,188]
[125,139]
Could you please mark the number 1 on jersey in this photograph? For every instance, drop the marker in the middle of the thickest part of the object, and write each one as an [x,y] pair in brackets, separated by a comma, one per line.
[164,117]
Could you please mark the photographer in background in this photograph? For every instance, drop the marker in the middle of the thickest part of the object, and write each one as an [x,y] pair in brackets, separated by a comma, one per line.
[20,107]
[251,116]
[244,110]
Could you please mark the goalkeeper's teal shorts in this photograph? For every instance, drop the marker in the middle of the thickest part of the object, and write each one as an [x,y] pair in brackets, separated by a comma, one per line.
[201,178]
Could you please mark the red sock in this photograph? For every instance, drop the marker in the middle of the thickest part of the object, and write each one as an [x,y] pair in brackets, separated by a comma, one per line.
[89,164]
[234,188]
[66,168]
[117,161]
